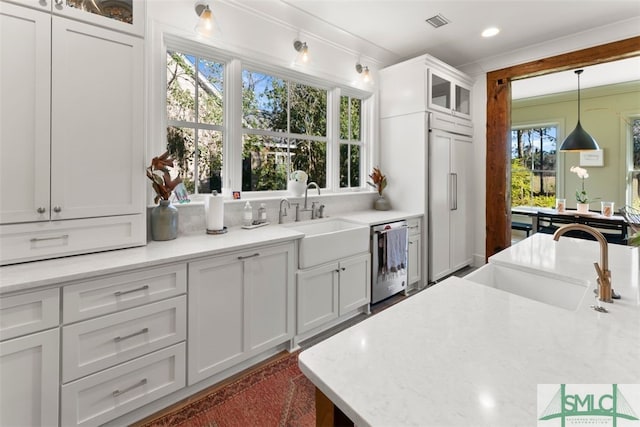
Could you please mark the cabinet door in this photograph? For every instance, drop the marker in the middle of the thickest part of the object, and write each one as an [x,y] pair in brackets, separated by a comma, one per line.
[440,92]
[317,296]
[269,293]
[216,315]
[25,85]
[355,283]
[440,204]
[460,229]
[96,126]
[462,100]
[29,380]
[121,15]
[415,255]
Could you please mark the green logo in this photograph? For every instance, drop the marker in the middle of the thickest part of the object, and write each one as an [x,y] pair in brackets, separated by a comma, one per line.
[564,405]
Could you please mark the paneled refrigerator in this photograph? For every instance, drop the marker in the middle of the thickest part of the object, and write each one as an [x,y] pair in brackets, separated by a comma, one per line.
[429,170]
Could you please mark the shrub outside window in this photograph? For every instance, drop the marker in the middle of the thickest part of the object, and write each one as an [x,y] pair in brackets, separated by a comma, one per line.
[533,166]
[284,129]
[633,188]
[195,111]
[350,141]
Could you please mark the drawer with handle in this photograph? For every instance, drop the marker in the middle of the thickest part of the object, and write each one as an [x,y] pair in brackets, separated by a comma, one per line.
[106,341]
[109,294]
[26,313]
[98,398]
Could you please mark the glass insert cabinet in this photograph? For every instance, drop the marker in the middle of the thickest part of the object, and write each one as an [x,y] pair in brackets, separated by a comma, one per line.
[448,95]
[122,15]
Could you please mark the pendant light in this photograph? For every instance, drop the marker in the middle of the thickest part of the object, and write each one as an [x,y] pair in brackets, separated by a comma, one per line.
[579,139]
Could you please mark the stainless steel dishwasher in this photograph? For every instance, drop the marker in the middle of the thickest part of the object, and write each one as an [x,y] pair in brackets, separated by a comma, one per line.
[389,246]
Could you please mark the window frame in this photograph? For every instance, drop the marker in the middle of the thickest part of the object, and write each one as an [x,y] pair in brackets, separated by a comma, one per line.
[288,135]
[629,170]
[349,142]
[232,129]
[558,124]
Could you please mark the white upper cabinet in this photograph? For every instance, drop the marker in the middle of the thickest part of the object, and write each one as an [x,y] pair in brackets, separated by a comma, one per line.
[96,122]
[448,95]
[25,88]
[424,84]
[122,15]
[71,136]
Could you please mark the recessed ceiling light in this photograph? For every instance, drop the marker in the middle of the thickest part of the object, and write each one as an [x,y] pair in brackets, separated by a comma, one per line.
[490,32]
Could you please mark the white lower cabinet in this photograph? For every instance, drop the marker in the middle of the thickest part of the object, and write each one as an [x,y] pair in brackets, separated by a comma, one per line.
[332,290]
[29,380]
[123,343]
[103,396]
[414,271]
[239,305]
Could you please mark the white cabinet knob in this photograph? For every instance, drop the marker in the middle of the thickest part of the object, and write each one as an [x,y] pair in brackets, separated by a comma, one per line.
[41,210]
[57,209]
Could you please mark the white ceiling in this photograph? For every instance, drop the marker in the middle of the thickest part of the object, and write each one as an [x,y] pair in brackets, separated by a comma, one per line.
[398,27]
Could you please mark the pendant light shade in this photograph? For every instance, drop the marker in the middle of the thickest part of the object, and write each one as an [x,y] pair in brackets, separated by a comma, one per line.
[579,139]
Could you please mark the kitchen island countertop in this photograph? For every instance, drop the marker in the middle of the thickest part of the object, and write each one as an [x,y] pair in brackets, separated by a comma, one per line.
[460,353]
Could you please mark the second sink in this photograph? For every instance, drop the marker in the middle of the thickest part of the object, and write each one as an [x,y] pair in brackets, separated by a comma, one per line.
[557,291]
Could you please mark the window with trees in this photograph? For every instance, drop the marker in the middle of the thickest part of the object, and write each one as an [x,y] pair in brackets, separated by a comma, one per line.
[533,166]
[284,129]
[633,173]
[195,119]
[350,141]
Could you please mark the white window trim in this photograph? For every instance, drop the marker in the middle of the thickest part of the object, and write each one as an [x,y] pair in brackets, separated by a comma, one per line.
[232,123]
[627,161]
[560,135]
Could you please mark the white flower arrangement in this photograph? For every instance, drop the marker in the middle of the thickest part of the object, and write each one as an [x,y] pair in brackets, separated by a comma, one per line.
[581,195]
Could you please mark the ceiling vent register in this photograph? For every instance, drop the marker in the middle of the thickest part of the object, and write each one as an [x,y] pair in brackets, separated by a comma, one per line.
[438,21]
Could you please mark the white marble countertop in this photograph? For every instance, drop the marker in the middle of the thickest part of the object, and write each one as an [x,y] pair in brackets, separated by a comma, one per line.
[32,275]
[461,354]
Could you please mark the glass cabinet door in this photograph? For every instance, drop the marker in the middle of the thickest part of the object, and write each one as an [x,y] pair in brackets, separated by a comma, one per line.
[463,98]
[120,10]
[440,92]
[122,15]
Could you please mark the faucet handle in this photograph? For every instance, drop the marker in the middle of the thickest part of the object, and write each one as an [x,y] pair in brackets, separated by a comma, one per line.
[313,210]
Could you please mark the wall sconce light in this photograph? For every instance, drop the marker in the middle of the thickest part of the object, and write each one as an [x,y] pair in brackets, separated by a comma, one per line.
[302,49]
[364,70]
[204,27]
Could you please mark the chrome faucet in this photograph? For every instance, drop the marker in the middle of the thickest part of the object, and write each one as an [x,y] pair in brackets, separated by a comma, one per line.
[604,275]
[305,194]
[283,211]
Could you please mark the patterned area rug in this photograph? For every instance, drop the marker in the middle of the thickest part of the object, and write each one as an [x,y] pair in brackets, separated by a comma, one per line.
[276,394]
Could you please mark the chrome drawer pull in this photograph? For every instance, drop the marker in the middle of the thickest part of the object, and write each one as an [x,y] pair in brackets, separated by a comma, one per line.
[141,288]
[41,239]
[248,256]
[117,393]
[140,332]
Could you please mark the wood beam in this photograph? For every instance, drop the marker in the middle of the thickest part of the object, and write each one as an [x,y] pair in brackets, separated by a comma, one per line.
[498,164]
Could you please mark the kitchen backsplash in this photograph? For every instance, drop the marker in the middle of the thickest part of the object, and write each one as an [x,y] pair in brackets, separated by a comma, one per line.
[192,217]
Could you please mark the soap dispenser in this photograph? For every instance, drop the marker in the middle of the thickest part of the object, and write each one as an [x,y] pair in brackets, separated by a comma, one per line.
[262,213]
[247,216]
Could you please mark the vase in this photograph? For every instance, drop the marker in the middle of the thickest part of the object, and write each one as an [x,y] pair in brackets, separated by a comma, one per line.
[583,207]
[164,221]
[381,204]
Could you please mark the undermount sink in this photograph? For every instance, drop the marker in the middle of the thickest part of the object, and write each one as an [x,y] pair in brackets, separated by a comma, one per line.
[558,291]
[330,240]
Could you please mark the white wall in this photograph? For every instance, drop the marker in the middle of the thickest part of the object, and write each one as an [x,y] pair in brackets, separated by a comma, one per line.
[478,71]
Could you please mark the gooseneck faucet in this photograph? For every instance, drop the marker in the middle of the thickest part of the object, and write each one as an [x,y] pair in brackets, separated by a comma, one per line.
[305,193]
[604,275]
[283,211]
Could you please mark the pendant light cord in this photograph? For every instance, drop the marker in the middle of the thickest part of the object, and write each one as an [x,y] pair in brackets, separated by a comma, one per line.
[578,72]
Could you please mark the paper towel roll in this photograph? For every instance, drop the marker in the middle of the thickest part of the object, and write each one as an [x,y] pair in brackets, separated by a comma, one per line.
[214,212]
